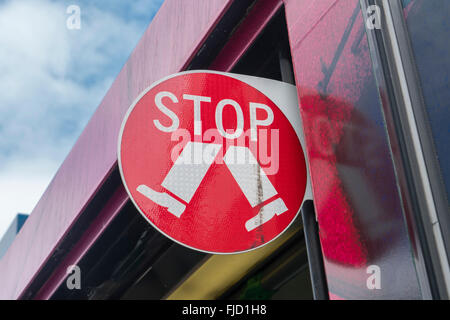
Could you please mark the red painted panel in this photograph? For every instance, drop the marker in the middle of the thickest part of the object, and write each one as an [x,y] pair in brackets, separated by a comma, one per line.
[172,38]
[101,222]
[303,15]
[355,193]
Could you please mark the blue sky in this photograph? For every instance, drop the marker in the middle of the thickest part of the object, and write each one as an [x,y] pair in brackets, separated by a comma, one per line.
[51,81]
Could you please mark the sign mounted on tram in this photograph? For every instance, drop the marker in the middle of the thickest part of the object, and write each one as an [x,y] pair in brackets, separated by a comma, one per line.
[214,160]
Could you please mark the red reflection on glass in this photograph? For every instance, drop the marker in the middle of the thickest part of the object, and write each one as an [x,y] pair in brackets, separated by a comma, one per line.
[340,237]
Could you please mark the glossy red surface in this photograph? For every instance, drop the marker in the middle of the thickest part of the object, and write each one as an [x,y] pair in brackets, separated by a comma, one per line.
[215,217]
[340,236]
[166,47]
[355,192]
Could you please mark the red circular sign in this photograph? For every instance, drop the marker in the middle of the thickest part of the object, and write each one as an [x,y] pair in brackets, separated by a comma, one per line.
[212,162]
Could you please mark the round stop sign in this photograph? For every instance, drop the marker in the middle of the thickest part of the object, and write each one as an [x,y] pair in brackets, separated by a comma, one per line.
[212,162]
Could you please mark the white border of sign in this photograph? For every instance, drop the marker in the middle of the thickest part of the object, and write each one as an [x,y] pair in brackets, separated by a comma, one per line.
[284,95]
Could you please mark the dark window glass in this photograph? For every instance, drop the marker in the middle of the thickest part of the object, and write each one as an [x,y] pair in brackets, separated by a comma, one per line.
[429,28]
[284,276]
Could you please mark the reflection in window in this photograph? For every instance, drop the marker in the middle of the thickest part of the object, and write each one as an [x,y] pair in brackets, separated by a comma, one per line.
[356,197]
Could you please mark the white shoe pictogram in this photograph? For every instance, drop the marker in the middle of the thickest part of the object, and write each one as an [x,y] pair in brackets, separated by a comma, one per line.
[186,175]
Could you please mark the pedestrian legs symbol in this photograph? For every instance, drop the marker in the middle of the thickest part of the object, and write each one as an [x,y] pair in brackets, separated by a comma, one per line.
[191,167]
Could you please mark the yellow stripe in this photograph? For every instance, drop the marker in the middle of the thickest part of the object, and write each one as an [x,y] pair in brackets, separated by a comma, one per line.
[220,272]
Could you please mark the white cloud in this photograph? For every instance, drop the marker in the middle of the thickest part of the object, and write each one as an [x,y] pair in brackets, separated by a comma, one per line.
[21,186]
[51,81]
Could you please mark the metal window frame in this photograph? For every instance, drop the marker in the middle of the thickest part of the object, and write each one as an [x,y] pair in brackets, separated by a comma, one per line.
[417,169]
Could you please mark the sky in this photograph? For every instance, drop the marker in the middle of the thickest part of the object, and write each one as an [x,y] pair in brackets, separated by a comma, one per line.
[52,78]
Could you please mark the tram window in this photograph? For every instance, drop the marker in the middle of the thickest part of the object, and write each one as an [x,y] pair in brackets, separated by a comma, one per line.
[432,56]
